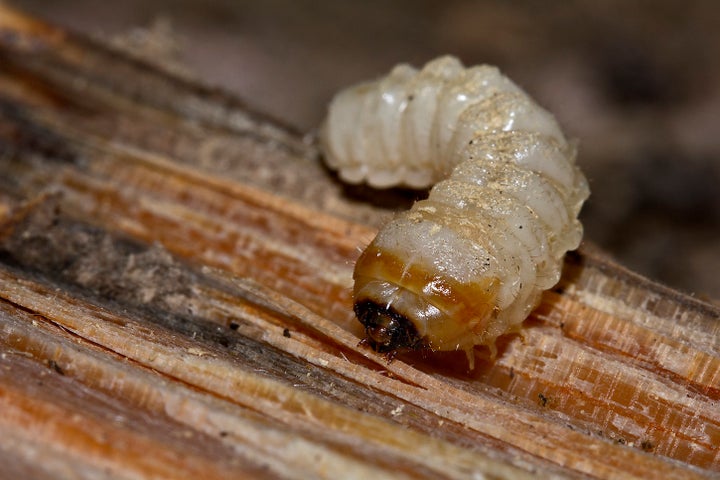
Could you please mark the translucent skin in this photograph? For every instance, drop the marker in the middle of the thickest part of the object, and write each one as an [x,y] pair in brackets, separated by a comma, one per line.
[470,262]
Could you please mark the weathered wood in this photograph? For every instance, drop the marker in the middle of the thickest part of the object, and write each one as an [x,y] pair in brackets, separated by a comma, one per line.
[175,277]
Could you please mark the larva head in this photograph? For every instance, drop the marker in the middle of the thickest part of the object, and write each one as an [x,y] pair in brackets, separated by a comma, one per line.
[387,330]
[405,305]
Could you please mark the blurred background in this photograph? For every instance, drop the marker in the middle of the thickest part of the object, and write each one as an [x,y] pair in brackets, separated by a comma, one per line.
[638,83]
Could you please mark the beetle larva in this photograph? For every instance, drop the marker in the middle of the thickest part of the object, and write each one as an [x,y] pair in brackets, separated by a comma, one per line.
[470,262]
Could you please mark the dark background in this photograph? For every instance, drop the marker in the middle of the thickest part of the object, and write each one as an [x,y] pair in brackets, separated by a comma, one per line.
[638,83]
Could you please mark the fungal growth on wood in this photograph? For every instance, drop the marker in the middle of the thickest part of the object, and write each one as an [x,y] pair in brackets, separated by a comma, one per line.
[470,262]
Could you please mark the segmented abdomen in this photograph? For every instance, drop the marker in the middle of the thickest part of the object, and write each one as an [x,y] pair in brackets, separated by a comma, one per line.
[470,262]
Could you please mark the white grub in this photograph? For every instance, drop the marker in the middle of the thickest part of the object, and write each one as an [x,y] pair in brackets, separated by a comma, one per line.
[470,262]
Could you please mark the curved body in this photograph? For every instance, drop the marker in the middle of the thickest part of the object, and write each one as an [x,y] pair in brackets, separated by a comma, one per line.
[470,262]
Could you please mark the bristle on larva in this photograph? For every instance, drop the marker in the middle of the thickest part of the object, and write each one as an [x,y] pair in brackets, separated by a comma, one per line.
[470,262]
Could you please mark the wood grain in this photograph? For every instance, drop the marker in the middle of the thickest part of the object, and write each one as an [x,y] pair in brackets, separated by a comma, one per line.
[175,275]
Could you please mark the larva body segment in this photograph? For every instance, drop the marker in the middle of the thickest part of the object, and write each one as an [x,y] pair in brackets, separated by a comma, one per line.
[470,262]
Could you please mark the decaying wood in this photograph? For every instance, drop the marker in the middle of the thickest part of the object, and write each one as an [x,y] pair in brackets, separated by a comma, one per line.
[175,277]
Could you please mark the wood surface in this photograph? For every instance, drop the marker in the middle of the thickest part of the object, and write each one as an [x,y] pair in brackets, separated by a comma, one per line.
[175,302]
